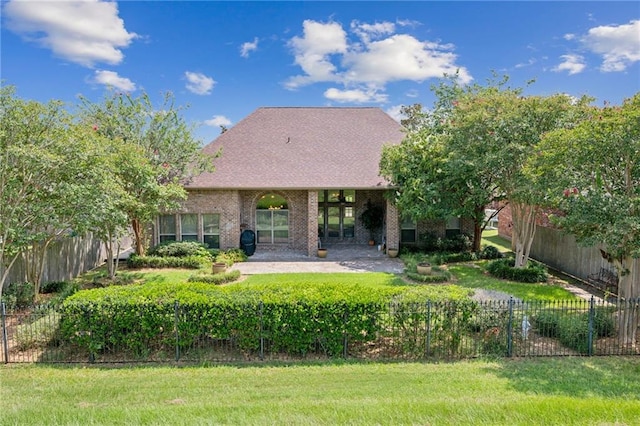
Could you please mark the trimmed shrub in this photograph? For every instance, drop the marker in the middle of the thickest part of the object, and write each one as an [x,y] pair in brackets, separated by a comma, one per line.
[217,279]
[190,262]
[504,268]
[19,295]
[294,318]
[490,252]
[230,256]
[438,275]
[39,333]
[180,249]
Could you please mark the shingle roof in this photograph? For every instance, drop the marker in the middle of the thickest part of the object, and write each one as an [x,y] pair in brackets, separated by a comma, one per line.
[302,148]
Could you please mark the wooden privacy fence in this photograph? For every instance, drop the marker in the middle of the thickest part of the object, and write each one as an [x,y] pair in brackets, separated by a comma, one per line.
[67,258]
[398,331]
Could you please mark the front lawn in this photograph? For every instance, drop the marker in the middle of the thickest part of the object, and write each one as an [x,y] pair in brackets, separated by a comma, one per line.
[562,391]
[474,276]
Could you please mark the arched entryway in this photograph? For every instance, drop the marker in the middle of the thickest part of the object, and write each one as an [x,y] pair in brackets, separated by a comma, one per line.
[272,219]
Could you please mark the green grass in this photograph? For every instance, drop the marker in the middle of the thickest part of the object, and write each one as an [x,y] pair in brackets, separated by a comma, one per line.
[566,391]
[491,238]
[373,279]
[475,277]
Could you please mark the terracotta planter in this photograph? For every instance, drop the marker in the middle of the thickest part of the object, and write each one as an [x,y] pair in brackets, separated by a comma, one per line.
[219,267]
[424,268]
[392,252]
[322,252]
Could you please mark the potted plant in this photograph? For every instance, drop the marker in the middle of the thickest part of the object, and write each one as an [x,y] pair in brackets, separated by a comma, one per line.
[424,268]
[372,218]
[392,252]
[322,252]
[219,267]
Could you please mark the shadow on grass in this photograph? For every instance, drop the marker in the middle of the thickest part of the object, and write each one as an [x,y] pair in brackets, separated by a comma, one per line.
[612,377]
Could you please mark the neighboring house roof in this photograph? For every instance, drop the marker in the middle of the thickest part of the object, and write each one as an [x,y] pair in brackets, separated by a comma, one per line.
[302,148]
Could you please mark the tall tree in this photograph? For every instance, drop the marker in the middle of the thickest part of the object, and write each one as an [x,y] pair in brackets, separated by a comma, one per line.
[162,153]
[592,173]
[48,174]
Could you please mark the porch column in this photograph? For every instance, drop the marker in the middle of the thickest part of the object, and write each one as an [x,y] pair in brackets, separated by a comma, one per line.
[393,227]
[312,230]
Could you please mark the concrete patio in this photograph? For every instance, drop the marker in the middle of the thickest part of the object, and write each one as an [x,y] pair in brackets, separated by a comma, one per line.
[340,258]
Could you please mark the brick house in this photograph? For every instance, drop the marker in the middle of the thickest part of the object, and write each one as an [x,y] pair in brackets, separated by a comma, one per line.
[295,176]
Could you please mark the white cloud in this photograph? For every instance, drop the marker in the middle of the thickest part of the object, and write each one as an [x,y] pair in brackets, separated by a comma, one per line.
[199,83]
[396,112]
[355,95]
[84,32]
[313,50]
[402,57]
[112,79]
[619,45]
[530,62]
[573,64]
[379,56]
[569,36]
[248,47]
[368,31]
[218,120]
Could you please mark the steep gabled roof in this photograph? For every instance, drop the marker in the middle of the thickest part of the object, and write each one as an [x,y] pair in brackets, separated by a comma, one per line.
[302,148]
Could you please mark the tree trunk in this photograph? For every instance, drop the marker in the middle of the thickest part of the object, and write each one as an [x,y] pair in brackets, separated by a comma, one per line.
[524,229]
[628,302]
[477,235]
[138,234]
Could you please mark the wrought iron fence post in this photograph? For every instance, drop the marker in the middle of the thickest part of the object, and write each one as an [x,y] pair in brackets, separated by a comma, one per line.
[5,338]
[92,354]
[510,329]
[176,306]
[428,330]
[345,319]
[261,313]
[592,314]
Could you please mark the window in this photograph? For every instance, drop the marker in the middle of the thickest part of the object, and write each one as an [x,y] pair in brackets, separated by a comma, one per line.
[211,230]
[167,228]
[453,227]
[408,230]
[272,220]
[336,213]
[189,227]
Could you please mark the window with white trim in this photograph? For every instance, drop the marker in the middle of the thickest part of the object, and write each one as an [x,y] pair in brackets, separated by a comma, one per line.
[272,220]
[453,227]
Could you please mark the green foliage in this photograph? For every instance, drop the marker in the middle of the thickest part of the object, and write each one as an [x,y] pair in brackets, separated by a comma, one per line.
[217,279]
[372,217]
[230,256]
[490,252]
[180,249]
[572,329]
[189,262]
[19,295]
[504,268]
[52,286]
[296,316]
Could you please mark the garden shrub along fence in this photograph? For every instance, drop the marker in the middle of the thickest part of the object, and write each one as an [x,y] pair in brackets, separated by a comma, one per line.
[260,331]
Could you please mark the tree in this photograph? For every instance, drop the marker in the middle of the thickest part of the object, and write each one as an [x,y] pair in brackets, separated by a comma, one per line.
[468,152]
[161,154]
[592,174]
[48,175]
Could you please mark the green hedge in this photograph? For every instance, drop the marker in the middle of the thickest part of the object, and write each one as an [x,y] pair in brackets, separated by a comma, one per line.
[189,262]
[504,268]
[293,319]
[180,249]
[223,278]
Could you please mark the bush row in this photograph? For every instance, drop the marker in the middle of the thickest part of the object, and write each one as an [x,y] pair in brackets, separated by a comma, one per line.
[293,319]
[504,268]
[223,278]
[189,262]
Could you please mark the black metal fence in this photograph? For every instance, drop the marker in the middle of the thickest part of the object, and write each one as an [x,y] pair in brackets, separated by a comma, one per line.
[398,331]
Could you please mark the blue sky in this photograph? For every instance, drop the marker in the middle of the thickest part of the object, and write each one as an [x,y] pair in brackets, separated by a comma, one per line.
[225,59]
